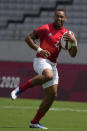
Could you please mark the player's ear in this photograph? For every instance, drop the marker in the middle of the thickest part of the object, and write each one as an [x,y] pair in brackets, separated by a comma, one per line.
[65,18]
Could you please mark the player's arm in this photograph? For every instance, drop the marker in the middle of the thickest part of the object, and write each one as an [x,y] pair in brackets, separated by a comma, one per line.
[73,49]
[30,40]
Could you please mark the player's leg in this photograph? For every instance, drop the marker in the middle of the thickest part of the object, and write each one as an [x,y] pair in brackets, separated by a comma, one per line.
[37,80]
[51,93]
[47,75]
[45,72]
[50,89]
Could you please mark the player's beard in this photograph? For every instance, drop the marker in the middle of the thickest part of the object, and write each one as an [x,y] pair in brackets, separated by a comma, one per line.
[58,24]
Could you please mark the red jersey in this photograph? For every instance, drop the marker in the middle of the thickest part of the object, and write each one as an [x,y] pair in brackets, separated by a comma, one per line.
[50,40]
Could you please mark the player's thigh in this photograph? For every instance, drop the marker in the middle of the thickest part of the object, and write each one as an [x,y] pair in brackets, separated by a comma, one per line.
[54,81]
[41,66]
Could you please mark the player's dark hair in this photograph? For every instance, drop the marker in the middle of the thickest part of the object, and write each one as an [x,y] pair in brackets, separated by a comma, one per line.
[60,9]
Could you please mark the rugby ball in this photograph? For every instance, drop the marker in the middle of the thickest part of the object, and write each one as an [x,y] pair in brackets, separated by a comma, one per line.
[66,44]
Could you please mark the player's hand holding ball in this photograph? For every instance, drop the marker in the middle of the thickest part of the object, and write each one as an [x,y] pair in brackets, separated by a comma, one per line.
[68,40]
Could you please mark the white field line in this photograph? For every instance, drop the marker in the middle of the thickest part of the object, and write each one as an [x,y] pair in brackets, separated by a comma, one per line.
[66,129]
[67,109]
[34,108]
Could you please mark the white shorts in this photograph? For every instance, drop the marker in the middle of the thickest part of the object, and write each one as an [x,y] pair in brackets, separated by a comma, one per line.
[40,64]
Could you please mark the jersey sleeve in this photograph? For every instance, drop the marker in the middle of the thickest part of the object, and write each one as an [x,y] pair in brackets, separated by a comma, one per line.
[41,31]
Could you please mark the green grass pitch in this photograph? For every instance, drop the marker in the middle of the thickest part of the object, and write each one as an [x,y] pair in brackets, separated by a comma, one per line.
[62,116]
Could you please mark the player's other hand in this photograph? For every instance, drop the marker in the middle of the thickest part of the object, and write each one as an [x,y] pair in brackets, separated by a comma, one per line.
[45,53]
[70,37]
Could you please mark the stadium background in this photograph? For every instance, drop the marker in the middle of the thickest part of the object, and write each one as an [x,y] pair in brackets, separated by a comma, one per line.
[17,19]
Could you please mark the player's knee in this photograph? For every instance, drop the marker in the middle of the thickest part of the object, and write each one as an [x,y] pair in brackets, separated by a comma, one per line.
[55,94]
[52,95]
[49,77]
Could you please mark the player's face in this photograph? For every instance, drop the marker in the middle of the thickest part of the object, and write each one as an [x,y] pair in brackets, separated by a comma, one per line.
[59,19]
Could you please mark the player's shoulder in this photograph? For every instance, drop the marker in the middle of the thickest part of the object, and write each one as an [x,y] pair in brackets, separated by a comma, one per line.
[49,25]
[42,27]
[46,27]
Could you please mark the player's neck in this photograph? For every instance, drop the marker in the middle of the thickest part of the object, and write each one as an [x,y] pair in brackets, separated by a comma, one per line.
[57,27]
